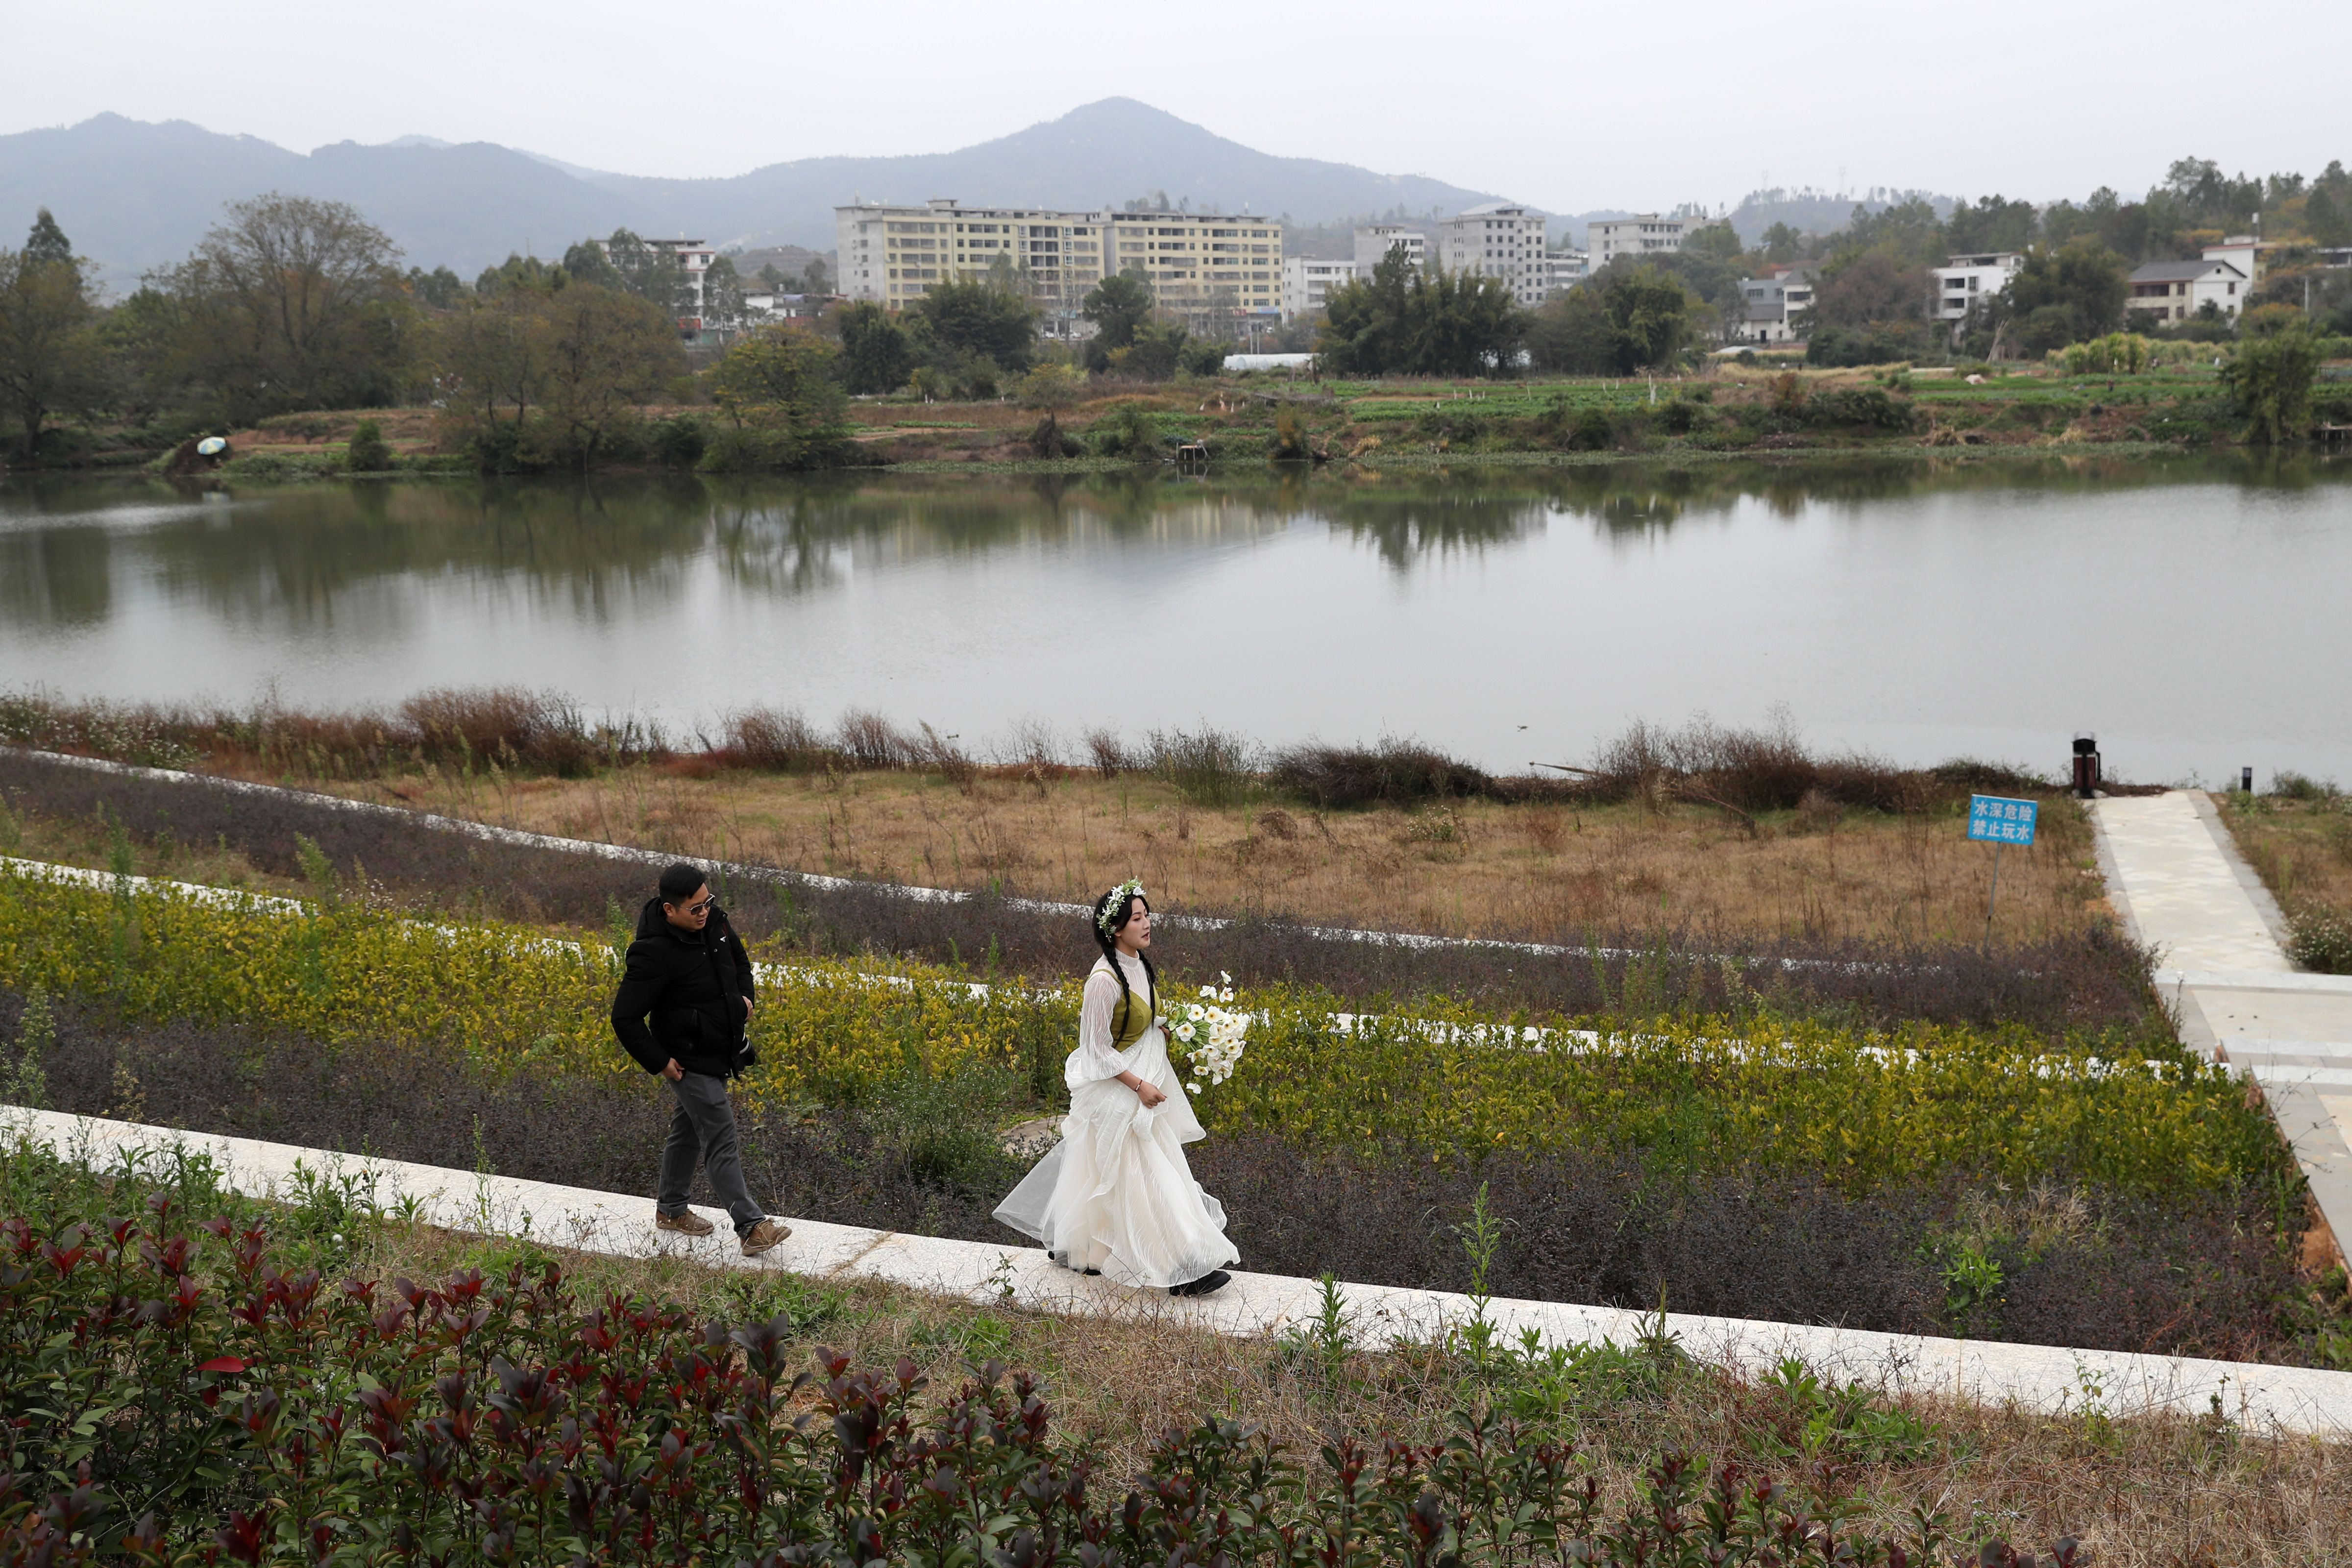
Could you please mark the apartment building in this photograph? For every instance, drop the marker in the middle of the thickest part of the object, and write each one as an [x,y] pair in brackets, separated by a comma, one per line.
[1499,241]
[1642,235]
[1374,241]
[1308,281]
[1569,268]
[1194,262]
[1965,281]
[694,258]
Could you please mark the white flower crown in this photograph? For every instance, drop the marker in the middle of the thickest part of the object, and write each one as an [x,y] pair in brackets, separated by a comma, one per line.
[1115,904]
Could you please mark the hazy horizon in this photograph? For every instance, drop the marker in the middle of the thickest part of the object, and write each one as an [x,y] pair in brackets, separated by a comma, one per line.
[1651,109]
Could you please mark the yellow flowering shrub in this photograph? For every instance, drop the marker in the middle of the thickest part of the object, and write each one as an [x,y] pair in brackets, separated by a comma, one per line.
[1862,1112]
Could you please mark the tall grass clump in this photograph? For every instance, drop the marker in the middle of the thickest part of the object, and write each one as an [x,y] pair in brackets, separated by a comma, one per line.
[779,740]
[1208,767]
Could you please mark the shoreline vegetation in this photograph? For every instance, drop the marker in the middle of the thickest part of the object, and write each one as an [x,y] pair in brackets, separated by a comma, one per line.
[1220,424]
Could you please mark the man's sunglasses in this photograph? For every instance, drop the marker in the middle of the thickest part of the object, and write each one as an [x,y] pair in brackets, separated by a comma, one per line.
[697,908]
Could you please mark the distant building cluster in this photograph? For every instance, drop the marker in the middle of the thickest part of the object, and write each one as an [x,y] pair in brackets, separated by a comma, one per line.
[1499,239]
[2158,294]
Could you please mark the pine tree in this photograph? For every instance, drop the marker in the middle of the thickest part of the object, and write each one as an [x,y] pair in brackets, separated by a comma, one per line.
[47,245]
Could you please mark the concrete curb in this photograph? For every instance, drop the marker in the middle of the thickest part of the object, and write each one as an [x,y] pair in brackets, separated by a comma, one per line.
[2044,1378]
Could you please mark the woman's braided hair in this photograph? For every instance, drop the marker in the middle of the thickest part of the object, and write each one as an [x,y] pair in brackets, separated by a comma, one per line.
[1109,920]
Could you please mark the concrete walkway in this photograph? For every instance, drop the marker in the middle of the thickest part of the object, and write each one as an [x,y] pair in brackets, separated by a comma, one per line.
[2057,1380]
[2180,886]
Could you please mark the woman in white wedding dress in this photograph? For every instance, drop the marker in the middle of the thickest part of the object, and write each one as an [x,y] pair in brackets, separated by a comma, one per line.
[1115,1197]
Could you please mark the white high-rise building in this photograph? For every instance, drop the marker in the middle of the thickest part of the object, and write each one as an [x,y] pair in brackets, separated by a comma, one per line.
[1499,241]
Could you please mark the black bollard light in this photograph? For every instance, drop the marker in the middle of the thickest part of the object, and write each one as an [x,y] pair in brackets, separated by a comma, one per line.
[2086,764]
[2246,779]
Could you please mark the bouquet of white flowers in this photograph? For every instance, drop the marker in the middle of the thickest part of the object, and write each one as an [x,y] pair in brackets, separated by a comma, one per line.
[1211,1036]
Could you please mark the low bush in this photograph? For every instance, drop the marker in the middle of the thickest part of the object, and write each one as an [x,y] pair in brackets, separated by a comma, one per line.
[1127,431]
[1752,769]
[680,440]
[175,1389]
[368,453]
[1392,772]
[1594,431]
[1843,347]
[2320,940]
[1868,407]
[1860,1112]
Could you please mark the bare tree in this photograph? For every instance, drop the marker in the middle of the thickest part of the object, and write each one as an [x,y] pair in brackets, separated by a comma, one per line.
[295,303]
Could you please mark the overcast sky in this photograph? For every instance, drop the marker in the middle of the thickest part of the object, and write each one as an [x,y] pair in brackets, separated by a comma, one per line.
[1636,104]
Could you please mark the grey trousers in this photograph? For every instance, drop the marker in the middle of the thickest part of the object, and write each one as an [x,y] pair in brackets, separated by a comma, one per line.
[703,1126]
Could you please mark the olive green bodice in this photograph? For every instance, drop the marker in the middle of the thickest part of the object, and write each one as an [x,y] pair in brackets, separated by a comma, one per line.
[1132,1015]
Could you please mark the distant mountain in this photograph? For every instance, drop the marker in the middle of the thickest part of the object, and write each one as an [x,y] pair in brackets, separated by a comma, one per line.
[134,195]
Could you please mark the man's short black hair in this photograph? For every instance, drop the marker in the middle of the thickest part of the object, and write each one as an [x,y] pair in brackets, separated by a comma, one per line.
[681,882]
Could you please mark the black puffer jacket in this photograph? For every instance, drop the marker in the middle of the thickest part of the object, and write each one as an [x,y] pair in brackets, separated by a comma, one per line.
[693,985]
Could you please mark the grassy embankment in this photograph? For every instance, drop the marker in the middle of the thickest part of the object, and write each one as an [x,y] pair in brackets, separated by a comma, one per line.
[1725,411]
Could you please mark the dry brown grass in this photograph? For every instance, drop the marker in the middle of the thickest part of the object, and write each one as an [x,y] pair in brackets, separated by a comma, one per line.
[2301,848]
[2135,1491]
[1461,868]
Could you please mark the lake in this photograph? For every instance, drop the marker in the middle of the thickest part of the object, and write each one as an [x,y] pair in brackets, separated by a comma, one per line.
[2196,612]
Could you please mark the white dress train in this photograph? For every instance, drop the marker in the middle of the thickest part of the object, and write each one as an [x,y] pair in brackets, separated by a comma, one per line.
[1116,1193]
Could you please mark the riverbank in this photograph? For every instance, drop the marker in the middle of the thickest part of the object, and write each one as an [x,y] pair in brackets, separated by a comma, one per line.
[1726,411]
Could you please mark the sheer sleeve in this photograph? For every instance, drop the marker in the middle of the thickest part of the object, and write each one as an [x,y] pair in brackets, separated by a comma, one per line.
[1095,1059]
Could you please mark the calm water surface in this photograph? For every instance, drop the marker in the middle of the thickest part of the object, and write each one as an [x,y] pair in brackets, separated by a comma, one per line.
[2196,613]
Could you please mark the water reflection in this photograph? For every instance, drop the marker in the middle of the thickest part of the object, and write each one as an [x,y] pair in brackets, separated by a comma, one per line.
[1278,602]
[599,551]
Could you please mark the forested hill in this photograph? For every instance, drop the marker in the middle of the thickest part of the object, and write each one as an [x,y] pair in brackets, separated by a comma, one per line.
[134,195]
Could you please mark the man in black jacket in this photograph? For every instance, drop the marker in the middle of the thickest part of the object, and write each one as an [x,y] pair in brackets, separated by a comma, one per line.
[688,973]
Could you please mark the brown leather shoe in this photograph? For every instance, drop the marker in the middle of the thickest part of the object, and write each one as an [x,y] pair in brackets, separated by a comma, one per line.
[686,1222]
[763,1236]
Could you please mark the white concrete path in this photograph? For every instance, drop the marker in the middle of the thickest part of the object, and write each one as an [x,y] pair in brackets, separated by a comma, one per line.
[2293,1399]
[2177,880]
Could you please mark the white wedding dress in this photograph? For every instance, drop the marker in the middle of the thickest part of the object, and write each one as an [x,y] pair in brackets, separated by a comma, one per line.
[1115,1194]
